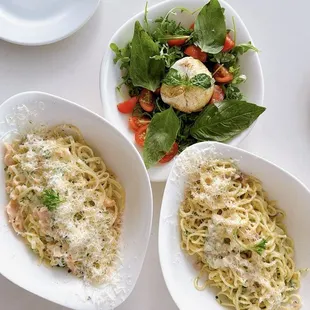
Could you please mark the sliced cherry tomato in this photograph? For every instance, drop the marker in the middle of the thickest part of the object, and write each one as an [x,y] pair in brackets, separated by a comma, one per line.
[229,44]
[222,75]
[157,91]
[170,154]
[218,94]
[192,26]
[195,52]
[146,100]
[140,135]
[136,122]
[176,42]
[128,105]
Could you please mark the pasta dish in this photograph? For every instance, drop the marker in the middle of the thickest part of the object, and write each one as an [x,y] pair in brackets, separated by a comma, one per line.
[239,240]
[64,201]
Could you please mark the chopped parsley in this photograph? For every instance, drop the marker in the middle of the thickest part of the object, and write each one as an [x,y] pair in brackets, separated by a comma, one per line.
[51,199]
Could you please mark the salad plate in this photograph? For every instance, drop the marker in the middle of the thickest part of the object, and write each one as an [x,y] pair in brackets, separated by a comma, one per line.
[35,22]
[168,24]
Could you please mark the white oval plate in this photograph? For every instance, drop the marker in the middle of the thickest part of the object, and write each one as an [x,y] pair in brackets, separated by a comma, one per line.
[38,22]
[292,196]
[110,75]
[19,264]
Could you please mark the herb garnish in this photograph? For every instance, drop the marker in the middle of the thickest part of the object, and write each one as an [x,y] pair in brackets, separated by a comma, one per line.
[174,78]
[50,198]
[260,247]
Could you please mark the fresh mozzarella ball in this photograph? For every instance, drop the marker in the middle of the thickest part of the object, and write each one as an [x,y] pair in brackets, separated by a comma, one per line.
[187,98]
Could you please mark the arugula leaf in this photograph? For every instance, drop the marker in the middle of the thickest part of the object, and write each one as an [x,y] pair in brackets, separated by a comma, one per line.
[224,120]
[122,55]
[145,71]
[174,78]
[210,28]
[240,49]
[233,92]
[50,199]
[169,54]
[224,58]
[260,247]
[168,27]
[160,136]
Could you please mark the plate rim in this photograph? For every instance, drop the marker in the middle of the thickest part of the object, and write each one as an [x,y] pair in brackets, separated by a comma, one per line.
[56,39]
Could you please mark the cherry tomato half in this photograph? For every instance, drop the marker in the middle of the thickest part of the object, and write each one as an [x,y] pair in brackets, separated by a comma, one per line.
[221,74]
[170,154]
[157,91]
[229,44]
[218,94]
[128,105]
[195,52]
[136,122]
[176,42]
[146,100]
[140,135]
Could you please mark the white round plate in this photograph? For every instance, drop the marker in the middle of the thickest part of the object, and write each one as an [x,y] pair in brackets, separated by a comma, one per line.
[110,76]
[292,197]
[38,22]
[19,264]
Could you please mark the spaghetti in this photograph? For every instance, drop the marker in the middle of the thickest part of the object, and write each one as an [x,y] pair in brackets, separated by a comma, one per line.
[64,201]
[238,238]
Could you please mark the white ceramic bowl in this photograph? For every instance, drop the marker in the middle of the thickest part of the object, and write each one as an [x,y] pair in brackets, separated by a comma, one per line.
[37,22]
[19,264]
[292,196]
[110,75]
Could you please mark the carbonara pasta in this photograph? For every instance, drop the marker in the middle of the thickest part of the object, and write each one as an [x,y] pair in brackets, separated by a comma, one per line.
[238,238]
[64,202]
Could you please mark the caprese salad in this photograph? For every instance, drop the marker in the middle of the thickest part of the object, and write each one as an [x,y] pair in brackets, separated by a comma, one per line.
[184,83]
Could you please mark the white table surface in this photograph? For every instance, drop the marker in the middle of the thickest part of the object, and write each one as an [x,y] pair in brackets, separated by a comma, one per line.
[70,69]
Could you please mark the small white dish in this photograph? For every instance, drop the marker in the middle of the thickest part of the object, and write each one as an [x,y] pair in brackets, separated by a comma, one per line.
[19,264]
[110,76]
[37,22]
[291,195]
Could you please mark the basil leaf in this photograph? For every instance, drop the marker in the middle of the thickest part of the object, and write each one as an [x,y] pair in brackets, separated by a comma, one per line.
[145,71]
[201,80]
[240,49]
[210,28]
[224,120]
[174,78]
[160,136]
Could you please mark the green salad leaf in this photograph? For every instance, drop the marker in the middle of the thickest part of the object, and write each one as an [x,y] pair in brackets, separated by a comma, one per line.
[144,70]
[240,49]
[233,92]
[174,78]
[50,198]
[202,80]
[224,120]
[210,28]
[160,136]
[166,28]
[170,54]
